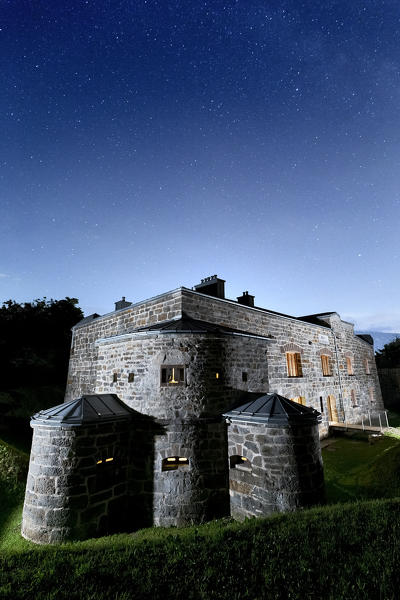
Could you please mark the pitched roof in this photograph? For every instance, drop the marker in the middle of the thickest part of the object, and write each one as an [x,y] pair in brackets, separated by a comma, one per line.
[186,324]
[273,409]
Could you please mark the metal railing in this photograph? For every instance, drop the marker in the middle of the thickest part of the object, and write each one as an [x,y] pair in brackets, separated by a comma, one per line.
[380,415]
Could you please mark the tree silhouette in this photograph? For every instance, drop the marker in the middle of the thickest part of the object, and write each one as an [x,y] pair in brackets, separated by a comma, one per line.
[389,356]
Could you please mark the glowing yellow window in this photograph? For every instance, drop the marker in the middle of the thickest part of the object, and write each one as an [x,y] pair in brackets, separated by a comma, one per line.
[293,363]
[299,400]
[172,375]
[174,462]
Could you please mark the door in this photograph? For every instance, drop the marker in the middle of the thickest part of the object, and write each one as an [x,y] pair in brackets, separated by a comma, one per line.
[332,410]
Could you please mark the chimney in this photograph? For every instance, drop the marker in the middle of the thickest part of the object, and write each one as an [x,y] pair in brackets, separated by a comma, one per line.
[122,304]
[212,286]
[246,299]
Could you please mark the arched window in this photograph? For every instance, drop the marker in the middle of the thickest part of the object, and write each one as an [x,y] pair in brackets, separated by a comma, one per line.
[326,365]
[349,364]
[293,364]
[174,462]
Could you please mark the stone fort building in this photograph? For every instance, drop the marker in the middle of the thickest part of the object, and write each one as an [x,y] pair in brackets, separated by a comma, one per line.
[190,406]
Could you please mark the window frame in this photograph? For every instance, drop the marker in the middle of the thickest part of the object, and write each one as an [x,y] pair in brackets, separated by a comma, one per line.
[177,371]
[326,365]
[293,364]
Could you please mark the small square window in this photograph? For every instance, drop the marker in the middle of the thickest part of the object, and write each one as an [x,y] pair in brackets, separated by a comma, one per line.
[172,375]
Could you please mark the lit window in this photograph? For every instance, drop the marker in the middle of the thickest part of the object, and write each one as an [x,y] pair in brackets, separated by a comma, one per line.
[239,462]
[326,365]
[367,369]
[174,462]
[349,363]
[173,375]
[299,400]
[293,362]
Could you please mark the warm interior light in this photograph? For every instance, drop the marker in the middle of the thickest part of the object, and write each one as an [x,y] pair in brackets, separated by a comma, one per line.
[183,460]
[99,462]
[171,459]
[172,378]
[216,375]
[109,459]
[244,458]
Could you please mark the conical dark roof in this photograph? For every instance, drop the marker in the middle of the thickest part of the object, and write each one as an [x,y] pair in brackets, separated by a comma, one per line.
[273,409]
[86,410]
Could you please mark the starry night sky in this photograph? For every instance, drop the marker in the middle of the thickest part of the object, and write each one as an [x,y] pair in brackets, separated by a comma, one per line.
[147,144]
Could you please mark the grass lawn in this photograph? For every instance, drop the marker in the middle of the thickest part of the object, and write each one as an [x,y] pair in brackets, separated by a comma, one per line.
[336,552]
[356,470]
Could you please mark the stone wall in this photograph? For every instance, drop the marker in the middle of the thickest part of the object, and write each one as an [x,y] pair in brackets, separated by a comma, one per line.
[97,352]
[196,492]
[69,494]
[284,469]
[312,340]
[83,355]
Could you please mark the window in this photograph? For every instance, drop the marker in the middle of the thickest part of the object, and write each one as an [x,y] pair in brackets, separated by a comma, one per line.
[371,395]
[326,365]
[299,400]
[353,399]
[321,402]
[173,375]
[131,377]
[239,462]
[115,377]
[244,377]
[174,462]
[366,364]
[293,362]
[349,363]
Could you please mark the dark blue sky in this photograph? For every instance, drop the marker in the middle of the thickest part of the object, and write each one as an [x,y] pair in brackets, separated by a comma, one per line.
[145,145]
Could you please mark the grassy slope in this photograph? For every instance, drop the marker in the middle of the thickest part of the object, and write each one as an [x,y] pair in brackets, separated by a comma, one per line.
[342,551]
[333,552]
[356,470]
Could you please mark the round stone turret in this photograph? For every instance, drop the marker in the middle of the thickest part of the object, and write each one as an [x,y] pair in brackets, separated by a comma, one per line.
[77,483]
[274,457]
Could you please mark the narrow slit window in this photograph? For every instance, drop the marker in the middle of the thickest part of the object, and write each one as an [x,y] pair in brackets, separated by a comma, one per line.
[353,398]
[244,376]
[174,462]
[321,402]
[293,363]
[172,375]
[367,368]
[239,462]
[115,377]
[131,377]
